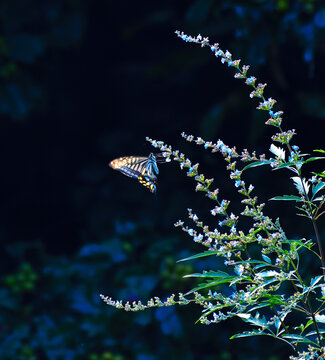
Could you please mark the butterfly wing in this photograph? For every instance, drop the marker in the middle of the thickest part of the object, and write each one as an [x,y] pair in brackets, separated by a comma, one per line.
[138,167]
[149,182]
[131,166]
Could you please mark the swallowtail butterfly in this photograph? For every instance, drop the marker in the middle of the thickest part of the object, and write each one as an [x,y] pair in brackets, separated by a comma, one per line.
[143,168]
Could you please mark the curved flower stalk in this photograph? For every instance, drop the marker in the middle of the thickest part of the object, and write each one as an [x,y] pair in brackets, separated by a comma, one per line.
[261,265]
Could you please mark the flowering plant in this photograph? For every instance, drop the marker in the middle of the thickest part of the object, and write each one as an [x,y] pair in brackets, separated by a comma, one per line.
[263,264]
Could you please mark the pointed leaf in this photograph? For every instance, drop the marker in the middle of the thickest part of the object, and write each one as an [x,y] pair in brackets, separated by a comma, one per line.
[313,159]
[315,280]
[210,274]
[207,285]
[317,188]
[267,304]
[255,164]
[285,165]
[266,258]
[252,262]
[297,338]
[249,333]
[321,331]
[287,198]
[322,174]
[200,255]
[257,321]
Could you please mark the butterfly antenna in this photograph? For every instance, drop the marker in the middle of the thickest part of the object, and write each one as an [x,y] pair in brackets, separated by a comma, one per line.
[160,158]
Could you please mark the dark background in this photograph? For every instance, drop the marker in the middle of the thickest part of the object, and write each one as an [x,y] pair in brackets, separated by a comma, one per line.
[84,82]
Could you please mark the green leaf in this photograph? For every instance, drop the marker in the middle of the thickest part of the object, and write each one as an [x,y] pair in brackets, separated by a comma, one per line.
[286,165]
[268,303]
[308,244]
[210,274]
[312,333]
[303,215]
[207,285]
[322,174]
[317,188]
[252,262]
[315,280]
[287,198]
[266,258]
[309,322]
[275,299]
[314,159]
[249,333]
[200,255]
[268,282]
[259,263]
[256,163]
[217,278]
[320,150]
[257,321]
[297,338]
[262,265]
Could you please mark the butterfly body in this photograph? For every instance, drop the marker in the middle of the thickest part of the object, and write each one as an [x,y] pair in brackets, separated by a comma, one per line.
[143,168]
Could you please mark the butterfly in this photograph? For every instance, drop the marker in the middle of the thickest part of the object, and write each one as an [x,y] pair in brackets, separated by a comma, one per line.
[143,168]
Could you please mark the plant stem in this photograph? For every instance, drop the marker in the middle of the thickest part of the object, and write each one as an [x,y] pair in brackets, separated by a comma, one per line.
[321,254]
[311,312]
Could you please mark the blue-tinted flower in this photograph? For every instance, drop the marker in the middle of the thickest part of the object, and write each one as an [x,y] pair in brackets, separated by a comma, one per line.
[192,171]
[250,80]
[198,238]
[199,141]
[228,54]
[313,179]
[220,143]
[238,183]
[224,203]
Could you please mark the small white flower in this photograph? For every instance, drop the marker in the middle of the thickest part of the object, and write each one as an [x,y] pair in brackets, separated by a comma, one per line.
[277,151]
[239,269]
